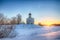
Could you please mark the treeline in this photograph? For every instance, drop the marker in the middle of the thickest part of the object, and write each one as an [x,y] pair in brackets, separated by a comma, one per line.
[13,20]
[56,24]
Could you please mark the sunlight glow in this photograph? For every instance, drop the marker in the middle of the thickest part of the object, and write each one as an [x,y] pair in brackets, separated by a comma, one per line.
[48,21]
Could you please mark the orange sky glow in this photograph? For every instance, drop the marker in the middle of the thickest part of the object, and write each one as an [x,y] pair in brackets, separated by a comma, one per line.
[48,21]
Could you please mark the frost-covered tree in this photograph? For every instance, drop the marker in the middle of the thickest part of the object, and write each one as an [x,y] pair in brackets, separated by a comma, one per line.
[13,20]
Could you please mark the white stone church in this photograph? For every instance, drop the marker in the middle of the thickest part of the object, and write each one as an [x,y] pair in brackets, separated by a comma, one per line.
[30,20]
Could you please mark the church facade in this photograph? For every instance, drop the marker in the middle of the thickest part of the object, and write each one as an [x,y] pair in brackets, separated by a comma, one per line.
[30,20]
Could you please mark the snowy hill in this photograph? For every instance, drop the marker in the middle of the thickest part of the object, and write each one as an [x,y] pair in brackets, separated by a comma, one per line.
[27,26]
[25,29]
[32,32]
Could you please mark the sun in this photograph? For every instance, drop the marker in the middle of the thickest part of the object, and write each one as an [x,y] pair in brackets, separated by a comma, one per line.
[47,21]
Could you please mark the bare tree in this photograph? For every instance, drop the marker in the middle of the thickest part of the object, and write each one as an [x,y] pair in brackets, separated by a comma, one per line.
[14,20]
[1,19]
[18,19]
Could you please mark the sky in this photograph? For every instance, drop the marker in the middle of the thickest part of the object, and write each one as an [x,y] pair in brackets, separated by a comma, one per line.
[40,9]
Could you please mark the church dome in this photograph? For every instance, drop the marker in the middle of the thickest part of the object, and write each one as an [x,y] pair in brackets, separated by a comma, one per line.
[29,13]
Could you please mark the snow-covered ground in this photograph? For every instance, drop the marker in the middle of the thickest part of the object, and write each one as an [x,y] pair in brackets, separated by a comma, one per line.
[33,32]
